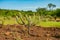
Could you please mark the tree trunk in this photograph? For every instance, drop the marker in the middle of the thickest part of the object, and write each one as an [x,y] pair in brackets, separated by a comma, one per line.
[55,19]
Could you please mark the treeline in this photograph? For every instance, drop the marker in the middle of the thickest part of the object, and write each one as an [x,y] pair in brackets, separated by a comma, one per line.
[39,11]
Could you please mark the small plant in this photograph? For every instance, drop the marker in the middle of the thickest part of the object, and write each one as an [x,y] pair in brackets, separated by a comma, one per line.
[28,19]
[1,23]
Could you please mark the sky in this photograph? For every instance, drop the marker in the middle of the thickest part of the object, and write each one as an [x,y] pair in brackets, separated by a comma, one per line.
[27,4]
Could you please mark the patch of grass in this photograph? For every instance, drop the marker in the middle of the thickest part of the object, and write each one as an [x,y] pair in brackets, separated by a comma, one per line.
[50,24]
[12,21]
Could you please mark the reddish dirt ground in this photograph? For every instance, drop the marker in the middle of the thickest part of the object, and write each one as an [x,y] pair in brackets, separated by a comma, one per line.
[19,32]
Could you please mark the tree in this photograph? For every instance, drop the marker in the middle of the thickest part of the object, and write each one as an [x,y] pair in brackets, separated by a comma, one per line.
[51,11]
[54,5]
[41,11]
[51,6]
[57,12]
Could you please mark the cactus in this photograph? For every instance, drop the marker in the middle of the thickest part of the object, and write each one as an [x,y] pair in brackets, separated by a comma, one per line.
[20,16]
[27,19]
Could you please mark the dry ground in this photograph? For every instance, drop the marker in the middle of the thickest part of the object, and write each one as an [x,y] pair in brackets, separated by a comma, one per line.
[19,32]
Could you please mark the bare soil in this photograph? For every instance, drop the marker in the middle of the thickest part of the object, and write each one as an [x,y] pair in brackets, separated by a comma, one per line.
[19,32]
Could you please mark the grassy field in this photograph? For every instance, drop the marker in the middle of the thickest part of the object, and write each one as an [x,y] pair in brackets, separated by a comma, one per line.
[50,24]
[43,24]
[37,22]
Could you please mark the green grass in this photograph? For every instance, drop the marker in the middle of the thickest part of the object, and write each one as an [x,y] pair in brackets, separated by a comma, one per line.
[37,22]
[43,24]
[11,22]
[50,24]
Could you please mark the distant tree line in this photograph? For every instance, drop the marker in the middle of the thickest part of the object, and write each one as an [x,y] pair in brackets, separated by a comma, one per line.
[39,11]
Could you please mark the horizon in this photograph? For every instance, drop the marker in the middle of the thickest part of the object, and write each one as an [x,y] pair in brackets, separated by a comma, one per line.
[27,4]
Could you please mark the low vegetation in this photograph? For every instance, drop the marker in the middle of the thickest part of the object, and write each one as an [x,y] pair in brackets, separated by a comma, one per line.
[48,15]
[42,24]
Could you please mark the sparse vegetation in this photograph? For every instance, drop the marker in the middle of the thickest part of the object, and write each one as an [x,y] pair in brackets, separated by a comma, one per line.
[48,20]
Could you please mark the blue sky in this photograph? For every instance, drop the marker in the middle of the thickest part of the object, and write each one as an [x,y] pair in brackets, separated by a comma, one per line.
[27,4]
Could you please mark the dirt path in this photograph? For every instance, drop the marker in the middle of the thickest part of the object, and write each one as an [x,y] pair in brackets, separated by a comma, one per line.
[19,32]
